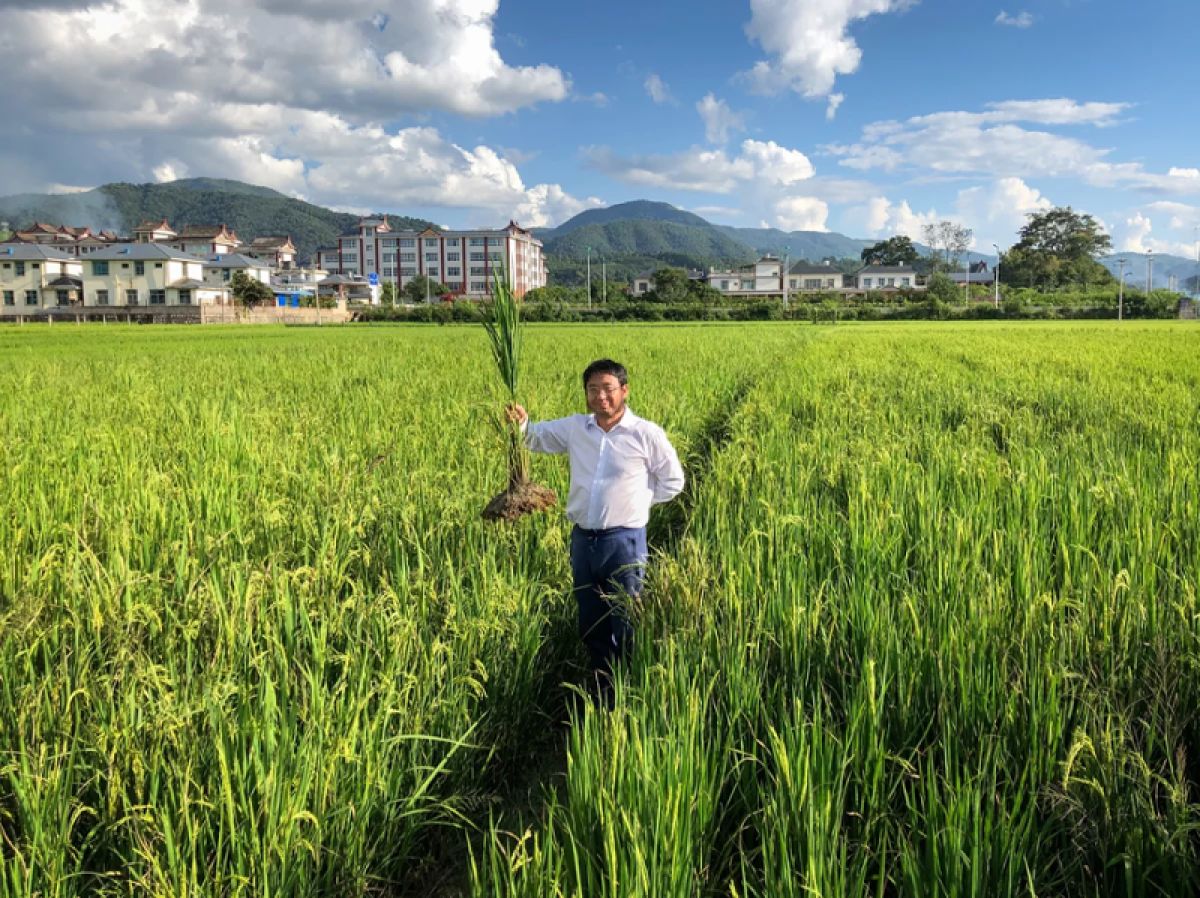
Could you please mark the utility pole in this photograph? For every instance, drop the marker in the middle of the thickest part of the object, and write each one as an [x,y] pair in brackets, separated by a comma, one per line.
[1121,292]
[967,282]
[604,280]
[996,276]
[783,275]
[589,276]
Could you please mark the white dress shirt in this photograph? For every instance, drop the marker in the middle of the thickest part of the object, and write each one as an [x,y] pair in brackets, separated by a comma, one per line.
[615,476]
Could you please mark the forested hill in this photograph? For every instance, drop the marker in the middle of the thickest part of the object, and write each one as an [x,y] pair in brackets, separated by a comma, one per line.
[250,210]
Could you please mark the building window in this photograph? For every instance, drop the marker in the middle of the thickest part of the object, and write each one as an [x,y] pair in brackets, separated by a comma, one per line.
[31,298]
[101,298]
[389,257]
[453,272]
[792,283]
[10,298]
[477,257]
[478,272]
[99,269]
[158,264]
[431,257]
[185,297]
[866,282]
[476,241]
[453,257]
[131,297]
[905,282]
[407,241]
[389,272]
[406,272]
[20,269]
[139,267]
[478,286]
[158,297]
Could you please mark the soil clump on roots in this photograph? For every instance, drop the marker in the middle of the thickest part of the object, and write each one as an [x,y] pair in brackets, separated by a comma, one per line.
[521,498]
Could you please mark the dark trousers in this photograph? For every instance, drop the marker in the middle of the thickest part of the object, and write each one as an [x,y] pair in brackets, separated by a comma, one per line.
[607,568]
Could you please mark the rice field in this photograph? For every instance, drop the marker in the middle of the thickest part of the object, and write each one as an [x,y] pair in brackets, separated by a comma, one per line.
[925,621]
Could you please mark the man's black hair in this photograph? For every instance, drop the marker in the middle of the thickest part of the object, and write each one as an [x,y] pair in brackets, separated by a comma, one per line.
[605,366]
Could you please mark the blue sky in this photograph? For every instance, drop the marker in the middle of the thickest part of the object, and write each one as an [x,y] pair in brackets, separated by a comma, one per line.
[868,117]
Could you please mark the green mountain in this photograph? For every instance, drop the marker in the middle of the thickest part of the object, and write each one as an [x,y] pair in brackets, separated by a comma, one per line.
[811,245]
[648,238]
[250,210]
[637,210]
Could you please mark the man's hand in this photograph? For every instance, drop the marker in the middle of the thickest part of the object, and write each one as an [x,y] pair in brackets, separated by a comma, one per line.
[516,413]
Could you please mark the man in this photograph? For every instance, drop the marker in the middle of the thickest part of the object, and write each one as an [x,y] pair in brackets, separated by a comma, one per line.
[620,465]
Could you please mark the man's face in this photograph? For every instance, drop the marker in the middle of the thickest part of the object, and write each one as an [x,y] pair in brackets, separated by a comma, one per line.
[605,395]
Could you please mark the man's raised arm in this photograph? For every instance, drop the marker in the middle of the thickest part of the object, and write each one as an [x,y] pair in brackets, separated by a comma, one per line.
[545,436]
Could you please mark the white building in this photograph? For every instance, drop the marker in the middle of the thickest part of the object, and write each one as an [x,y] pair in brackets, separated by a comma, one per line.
[206,240]
[465,261]
[762,279]
[885,277]
[35,277]
[147,274]
[219,270]
[804,276]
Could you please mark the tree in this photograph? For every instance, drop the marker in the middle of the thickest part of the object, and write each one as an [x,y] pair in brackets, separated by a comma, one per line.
[420,287]
[388,294]
[671,285]
[250,291]
[949,239]
[897,250]
[1057,247]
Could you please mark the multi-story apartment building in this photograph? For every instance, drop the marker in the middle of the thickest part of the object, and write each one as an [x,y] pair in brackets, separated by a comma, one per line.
[35,276]
[465,261]
[147,274]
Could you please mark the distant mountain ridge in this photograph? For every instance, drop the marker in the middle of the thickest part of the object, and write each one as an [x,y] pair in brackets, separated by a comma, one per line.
[250,210]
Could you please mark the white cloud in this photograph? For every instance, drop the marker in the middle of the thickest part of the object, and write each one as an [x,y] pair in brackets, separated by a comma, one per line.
[994,144]
[998,211]
[835,100]
[808,42]
[1020,20]
[657,89]
[1136,230]
[880,217]
[719,119]
[801,213]
[212,87]
[1184,172]
[763,163]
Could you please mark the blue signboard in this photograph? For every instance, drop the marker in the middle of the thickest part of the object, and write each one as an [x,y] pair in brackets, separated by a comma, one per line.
[373,279]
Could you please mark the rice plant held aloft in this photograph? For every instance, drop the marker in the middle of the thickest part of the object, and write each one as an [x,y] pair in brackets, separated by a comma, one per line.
[502,319]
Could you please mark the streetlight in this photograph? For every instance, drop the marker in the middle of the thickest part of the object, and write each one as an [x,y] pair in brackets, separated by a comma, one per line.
[1121,292]
[996,276]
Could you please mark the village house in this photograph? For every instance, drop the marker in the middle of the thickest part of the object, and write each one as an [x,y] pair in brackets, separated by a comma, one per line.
[220,269]
[278,252]
[35,277]
[147,274]
[206,240]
